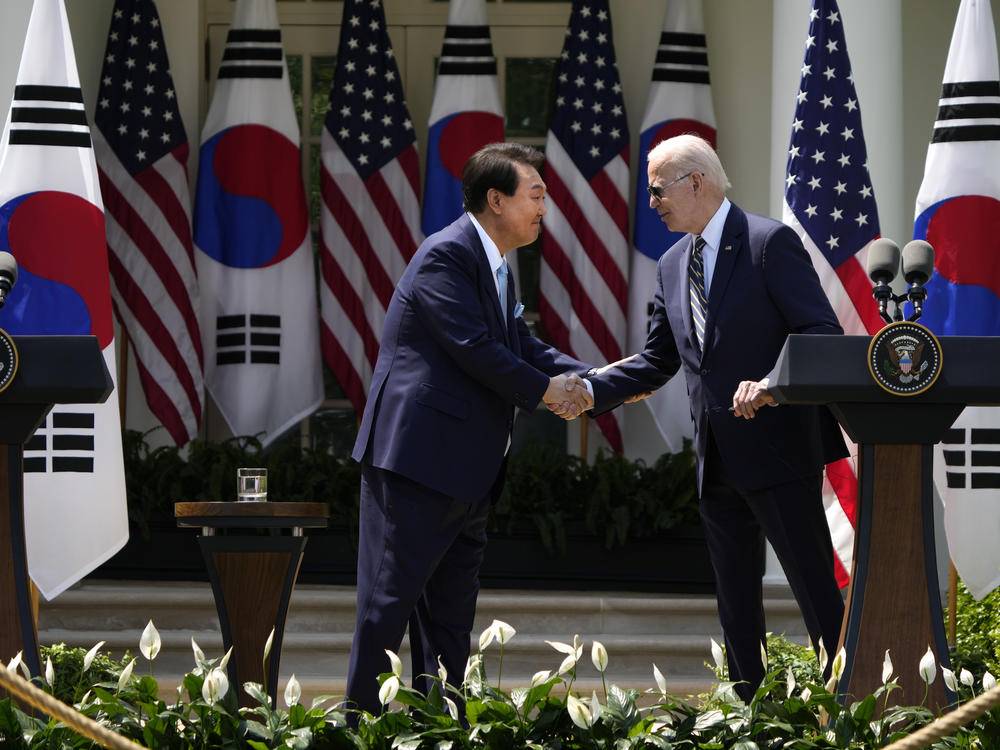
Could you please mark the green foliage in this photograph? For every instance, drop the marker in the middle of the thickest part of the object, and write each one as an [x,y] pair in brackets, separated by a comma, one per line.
[72,680]
[615,497]
[977,641]
[797,713]
[783,654]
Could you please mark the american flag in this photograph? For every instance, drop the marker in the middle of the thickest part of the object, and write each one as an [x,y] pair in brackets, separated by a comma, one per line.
[142,153]
[830,203]
[583,291]
[370,217]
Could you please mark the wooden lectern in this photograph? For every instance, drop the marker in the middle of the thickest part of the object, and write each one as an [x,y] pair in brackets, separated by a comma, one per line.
[893,599]
[51,370]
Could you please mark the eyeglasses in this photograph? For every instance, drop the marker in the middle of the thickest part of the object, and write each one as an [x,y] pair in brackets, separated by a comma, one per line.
[657,192]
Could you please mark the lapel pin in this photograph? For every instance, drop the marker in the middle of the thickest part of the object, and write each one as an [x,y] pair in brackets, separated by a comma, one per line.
[729,247]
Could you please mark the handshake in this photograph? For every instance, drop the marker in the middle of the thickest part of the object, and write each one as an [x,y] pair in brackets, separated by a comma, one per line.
[567,396]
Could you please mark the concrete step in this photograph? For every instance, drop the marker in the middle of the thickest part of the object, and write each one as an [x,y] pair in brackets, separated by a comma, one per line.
[637,630]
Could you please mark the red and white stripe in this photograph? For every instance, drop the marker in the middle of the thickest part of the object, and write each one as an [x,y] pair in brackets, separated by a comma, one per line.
[369,230]
[154,284]
[583,287]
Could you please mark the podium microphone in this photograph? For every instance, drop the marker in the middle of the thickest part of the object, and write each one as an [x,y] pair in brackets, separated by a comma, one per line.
[8,275]
[883,265]
[918,267]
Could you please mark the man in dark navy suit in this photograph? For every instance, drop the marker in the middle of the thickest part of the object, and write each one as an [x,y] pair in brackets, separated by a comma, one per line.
[454,362]
[727,296]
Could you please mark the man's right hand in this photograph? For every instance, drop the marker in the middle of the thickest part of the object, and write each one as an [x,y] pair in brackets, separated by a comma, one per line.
[567,396]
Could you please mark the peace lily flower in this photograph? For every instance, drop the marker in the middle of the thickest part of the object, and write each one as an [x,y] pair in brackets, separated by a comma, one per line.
[886,667]
[502,631]
[763,655]
[126,675]
[966,678]
[822,655]
[717,654]
[225,659]
[267,646]
[839,662]
[199,655]
[388,690]
[88,659]
[395,665]
[293,691]
[579,712]
[599,655]
[149,642]
[18,663]
[661,681]
[949,679]
[789,682]
[471,666]
[539,677]
[215,686]
[486,638]
[989,681]
[928,669]
[452,708]
[573,653]
[806,694]
[50,672]
[442,672]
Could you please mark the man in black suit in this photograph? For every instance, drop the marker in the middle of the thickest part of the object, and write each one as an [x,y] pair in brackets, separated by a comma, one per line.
[727,296]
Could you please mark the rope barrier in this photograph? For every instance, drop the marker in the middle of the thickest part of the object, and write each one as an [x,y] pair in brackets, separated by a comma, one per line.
[25,691]
[950,722]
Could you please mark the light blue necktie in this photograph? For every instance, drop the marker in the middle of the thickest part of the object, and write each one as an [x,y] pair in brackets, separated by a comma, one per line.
[502,281]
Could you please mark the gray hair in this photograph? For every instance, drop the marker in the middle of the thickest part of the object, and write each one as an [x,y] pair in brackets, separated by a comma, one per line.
[691,153]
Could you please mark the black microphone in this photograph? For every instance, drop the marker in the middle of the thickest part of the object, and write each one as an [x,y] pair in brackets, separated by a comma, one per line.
[8,275]
[918,267]
[883,264]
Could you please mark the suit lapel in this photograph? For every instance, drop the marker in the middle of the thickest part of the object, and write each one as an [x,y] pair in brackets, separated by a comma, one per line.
[733,239]
[487,280]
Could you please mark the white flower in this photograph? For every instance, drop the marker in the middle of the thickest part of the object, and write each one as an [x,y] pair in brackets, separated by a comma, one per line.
[215,686]
[806,694]
[763,655]
[928,669]
[599,655]
[199,655]
[839,662]
[388,690]
[502,631]
[717,655]
[88,660]
[539,677]
[579,712]
[966,678]
[822,655]
[395,665]
[50,672]
[149,642]
[293,691]
[267,645]
[573,653]
[442,672]
[989,681]
[471,666]
[486,638]
[661,681]
[14,663]
[452,708]
[789,682]
[886,667]
[225,659]
[949,679]
[126,675]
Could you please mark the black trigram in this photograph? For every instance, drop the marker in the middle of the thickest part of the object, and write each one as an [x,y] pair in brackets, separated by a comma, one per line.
[258,343]
[252,53]
[682,58]
[467,50]
[968,111]
[48,116]
[64,443]
[972,458]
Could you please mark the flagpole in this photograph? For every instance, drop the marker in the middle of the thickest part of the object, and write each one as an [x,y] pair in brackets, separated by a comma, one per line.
[584,430]
[952,602]
[123,379]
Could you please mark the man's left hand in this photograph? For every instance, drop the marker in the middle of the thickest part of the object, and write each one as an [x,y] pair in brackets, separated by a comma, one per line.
[751,395]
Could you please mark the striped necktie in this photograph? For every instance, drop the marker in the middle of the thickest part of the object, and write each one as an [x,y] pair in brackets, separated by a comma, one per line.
[502,282]
[696,285]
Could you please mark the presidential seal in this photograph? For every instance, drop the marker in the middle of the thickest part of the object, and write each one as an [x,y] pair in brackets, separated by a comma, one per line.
[8,360]
[904,358]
